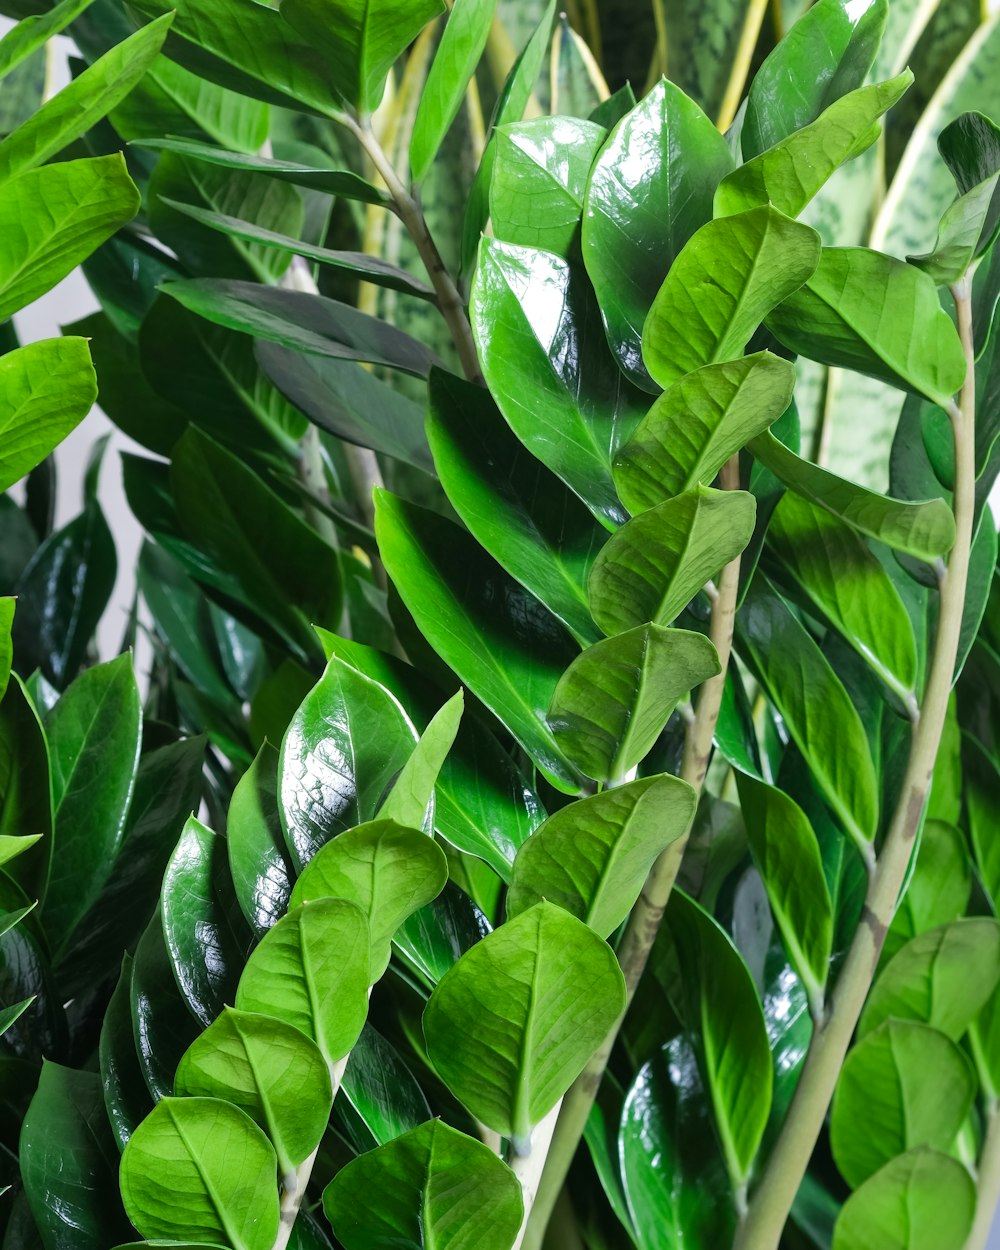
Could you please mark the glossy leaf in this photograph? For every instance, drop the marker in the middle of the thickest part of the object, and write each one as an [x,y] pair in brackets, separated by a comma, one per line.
[489,1022]
[410,801]
[311,971]
[545,359]
[905,1085]
[432,1186]
[615,698]
[162,1026]
[730,275]
[643,203]
[592,857]
[269,1070]
[652,567]
[381,1088]
[200,1169]
[261,871]
[126,1097]
[865,311]
[694,427]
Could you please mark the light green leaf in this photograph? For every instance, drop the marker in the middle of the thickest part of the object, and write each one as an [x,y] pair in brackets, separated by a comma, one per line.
[311,971]
[385,869]
[431,1187]
[868,312]
[258,861]
[939,886]
[729,276]
[615,698]
[491,1021]
[592,857]
[697,424]
[268,1069]
[30,33]
[904,1085]
[652,567]
[12,845]
[200,1169]
[7,603]
[411,797]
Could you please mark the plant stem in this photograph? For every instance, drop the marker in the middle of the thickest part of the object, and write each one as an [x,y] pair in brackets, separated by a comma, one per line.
[741,63]
[528,1167]
[988,1196]
[772,1201]
[644,922]
[449,298]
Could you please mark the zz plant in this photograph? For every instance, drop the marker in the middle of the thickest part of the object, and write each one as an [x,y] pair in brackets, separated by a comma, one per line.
[679,927]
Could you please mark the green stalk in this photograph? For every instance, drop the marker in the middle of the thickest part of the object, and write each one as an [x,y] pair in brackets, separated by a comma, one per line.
[770,1205]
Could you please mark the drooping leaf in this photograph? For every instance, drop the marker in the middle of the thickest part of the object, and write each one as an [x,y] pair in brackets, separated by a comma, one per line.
[261,871]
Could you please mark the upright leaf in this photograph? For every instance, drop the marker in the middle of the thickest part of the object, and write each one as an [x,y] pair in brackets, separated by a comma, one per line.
[411,798]
[258,861]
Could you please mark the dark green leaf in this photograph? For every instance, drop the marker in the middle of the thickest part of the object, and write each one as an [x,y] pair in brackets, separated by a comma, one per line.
[381,1088]
[126,1097]
[25,786]
[162,1025]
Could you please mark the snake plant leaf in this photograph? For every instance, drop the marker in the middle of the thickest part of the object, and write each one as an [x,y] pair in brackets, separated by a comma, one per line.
[269,1070]
[447,79]
[652,567]
[592,857]
[126,1096]
[905,1085]
[834,567]
[816,709]
[32,32]
[47,389]
[258,861]
[524,516]
[432,1186]
[546,361]
[939,887]
[868,312]
[613,701]
[199,1169]
[52,218]
[503,644]
[311,971]
[723,1008]
[729,276]
[410,801]
[643,203]
[787,856]
[789,174]
[923,529]
[341,752]
[921,1200]
[386,869]
[540,171]
[693,428]
[205,932]
[826,54]
[77,107]
[942,978]
[489,1023]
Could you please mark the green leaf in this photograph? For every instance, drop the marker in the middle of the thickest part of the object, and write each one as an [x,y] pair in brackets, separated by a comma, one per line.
[200,1169]
[311,971]
[385,869]
[524,516]
[433,1186]
[925,530]
[922,1200]
[613,701]
[12,846]
[787,856]
[789,174]
[202,925]
[25,786]
[381,1089]
[261,871]
[643,203]
[729,276]
[939,887]
[411,797]
[827,53]
[52,218]
[75,109]
[32,32]
[126,1097]
[941,978]
[503,644]
[343,748]
[47,388]
[592,857]
[540,171]
[723,1007]
[93,734]
[68,1163]
[7,603]
[868,312]
[269,1070]
[904,1085]
[834,567]
[490,1021]
[451,71]
[694,427]
[816,709]
[652,567]
[545,359]
[162,1026]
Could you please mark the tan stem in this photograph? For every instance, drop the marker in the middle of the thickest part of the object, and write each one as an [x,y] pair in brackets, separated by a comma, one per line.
[988,1186]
